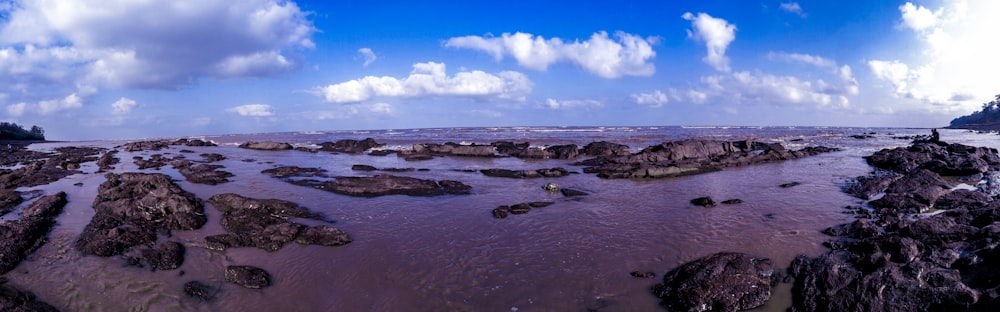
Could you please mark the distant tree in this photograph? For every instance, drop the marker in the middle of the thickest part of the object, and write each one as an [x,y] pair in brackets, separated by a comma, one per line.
[989,114]
[13,131]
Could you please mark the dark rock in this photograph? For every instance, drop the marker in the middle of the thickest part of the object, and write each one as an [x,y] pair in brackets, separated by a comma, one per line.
[131,208]
[107,161]
[213,157]
[571,192]
[13,299]
[520,208]
[602,148]
[166,256]
[939,157]
[202,174]
[293,171]
[962,199]
[323,235]
[350,146]
[8,200]
[703,201]
[146,146]
[510,148]
[363,168]
[33,174]
[790,184]
[263,223]
[20,237]
[266,146]
[638,274]
[687,157]
[453,149]
[248,276]
[200,291]
[501,212]
[867,187]
[522,174]
[540,204]
[384,184]
[382,152]
[733,201]
[720,282]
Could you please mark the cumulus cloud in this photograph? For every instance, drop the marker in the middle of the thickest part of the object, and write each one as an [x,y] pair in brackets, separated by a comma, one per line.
[122,106]
[147,44]
[919,17]
[766,89]
[717,34]
[51,106]
[430,79]
[252,110]
[655,99]
[368,55]
[625,55]
[16,110]
[571,104]
[954,71]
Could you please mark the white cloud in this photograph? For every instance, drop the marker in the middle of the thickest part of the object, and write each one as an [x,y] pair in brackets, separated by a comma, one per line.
[381,108]
[368,55]
[817,61]
[122,106]
[625,55]
[570,104]
[955,69]
[148,44]
[429,79]
[51,106]
[16,110]
[252,110]
[655,99]
[793,7]
[919,18]
[717,34]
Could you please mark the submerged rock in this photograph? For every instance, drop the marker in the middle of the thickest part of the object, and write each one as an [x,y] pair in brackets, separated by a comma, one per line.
[703,201]
[720,282]
[200,291]
[522,174]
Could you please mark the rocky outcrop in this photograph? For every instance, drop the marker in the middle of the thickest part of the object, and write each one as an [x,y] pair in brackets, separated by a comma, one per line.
[248,276]
[453,149]
[350,146]
[263,223]
[8,200]
[13,299]
[703,201]
[524,174]
[200,291]
[20,237]
[266,146]
[33,174]
[202,174]
[603,148]
[522,208]
[719,282]
[378,185]
[131,208]
[900,258]
[687,157]
[166,256]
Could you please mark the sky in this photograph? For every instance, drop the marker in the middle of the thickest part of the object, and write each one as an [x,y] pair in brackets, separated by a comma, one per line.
[125,69]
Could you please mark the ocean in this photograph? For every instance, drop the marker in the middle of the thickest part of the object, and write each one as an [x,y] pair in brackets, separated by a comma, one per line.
[447,253]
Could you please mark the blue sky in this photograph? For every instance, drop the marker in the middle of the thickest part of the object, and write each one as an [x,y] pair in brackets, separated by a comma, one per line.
[94,69]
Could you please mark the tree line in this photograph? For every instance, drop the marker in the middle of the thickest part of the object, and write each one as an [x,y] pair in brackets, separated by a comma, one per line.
[989,114]
[13,131]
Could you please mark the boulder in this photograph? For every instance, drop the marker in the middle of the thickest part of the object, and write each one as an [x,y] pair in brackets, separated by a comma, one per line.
[266,146]
[248,276]
[350,146]
[703,201]
[720,282]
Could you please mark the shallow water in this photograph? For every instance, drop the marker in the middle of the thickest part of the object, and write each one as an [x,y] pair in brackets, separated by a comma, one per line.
[448,253]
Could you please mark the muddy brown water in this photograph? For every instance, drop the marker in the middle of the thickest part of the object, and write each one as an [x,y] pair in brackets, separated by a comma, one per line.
[448,253]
